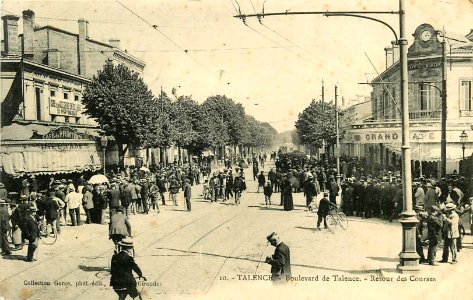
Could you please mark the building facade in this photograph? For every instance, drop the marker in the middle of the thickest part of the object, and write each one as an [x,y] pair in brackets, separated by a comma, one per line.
[379,137]
[44,72]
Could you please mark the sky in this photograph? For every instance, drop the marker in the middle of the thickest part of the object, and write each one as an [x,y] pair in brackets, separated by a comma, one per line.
[273,69]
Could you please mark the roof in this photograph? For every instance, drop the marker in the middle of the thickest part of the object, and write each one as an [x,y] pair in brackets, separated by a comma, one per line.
[121,53]
[17,59]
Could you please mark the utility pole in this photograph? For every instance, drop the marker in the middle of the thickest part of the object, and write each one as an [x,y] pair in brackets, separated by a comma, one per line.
[337,148]
[324,144]
[443,138]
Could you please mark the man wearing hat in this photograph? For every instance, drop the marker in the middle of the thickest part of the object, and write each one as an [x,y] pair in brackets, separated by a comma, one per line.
[4,228]
[434,229]
[31,232]
[450,233]
[18,218]
[280,261]
[187,193]
[73,201]
[122,267]
[261,180]
[419,232]
[87,202]
[144,195]
[310,191]
[162,188]
[324,210]
[431,197]
[119,227]
[114,197]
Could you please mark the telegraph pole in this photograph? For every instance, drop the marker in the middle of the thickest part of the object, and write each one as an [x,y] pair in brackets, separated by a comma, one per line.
[337,151]
[443,138]
[324,144]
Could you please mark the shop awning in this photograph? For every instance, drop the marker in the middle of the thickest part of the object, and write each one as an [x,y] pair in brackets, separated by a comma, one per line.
[433,152]
[17,159]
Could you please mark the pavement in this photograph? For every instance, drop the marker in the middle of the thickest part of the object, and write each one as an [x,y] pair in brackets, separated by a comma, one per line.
[217,251]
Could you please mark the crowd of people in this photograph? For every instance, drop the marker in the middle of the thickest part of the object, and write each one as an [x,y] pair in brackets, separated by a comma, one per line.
[59,202]
[135,190]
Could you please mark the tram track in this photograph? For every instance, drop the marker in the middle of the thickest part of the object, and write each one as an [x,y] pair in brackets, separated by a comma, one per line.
[102,254]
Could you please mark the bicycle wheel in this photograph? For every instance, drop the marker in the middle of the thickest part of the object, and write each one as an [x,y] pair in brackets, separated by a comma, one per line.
[342,218]
[47,234]
[10,237]
[331,223]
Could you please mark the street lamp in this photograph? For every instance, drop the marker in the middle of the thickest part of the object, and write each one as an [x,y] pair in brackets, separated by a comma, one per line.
[463,139]
[418,137]
[103,143]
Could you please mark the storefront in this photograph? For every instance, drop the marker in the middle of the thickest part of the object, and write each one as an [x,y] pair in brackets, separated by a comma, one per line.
[45,152]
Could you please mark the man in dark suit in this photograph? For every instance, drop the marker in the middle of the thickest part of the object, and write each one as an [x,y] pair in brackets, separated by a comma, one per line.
[310,191]
[114,197]
[280,261]
[122,265]
[31,233]
[4,228]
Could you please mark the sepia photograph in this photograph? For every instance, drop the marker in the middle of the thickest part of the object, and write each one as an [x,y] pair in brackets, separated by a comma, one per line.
[236,149]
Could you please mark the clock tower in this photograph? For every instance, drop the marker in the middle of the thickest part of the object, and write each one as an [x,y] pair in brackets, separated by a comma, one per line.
[426,42]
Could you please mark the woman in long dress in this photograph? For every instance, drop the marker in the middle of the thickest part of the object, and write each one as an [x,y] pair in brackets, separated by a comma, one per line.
[287,191]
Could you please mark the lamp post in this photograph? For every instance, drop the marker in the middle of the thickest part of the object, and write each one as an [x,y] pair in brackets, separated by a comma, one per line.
[409,259]
[463,140]
[418,137]
[103,143]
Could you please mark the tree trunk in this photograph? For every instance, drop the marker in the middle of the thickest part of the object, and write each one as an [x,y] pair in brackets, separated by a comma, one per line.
[179,159]
[121,155]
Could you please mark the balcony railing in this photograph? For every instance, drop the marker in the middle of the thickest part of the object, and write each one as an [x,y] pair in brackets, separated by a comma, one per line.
[425,114]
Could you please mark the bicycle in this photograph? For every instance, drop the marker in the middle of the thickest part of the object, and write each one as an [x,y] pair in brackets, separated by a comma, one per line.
[47,232]
[335,218]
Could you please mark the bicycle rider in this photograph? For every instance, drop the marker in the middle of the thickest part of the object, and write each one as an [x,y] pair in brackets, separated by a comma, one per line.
[324,209]
[119,227]
[122,265]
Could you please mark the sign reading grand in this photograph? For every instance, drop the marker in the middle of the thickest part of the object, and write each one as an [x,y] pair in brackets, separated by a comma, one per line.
[64,108]
[63,133]
[377,137]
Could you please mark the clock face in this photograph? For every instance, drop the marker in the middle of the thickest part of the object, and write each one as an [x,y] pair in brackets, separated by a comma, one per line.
[425,35]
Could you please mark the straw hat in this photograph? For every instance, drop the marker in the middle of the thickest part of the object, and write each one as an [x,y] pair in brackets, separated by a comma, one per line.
[126,242]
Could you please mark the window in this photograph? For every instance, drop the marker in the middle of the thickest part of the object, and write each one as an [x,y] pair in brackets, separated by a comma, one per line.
[52,93]
[466,101]
[426,97]
[76,97]
[66,96]
[38,103]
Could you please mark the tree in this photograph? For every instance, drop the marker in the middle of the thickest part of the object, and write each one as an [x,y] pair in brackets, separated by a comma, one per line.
[123,106]
[188,124]
[316,123]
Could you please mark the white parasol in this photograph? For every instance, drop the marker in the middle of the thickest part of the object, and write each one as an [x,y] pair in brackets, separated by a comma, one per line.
[98,179]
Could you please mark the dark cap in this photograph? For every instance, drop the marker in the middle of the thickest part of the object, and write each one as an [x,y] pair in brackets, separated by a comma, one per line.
[270,237]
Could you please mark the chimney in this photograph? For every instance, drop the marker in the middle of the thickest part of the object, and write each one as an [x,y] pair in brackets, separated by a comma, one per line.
[389,56]
[115,43]
[396,53]
[54,58]
[10,35]
[83,35]
[28,33]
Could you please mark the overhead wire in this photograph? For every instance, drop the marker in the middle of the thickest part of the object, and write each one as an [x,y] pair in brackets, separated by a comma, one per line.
[155,27]
[296,45]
